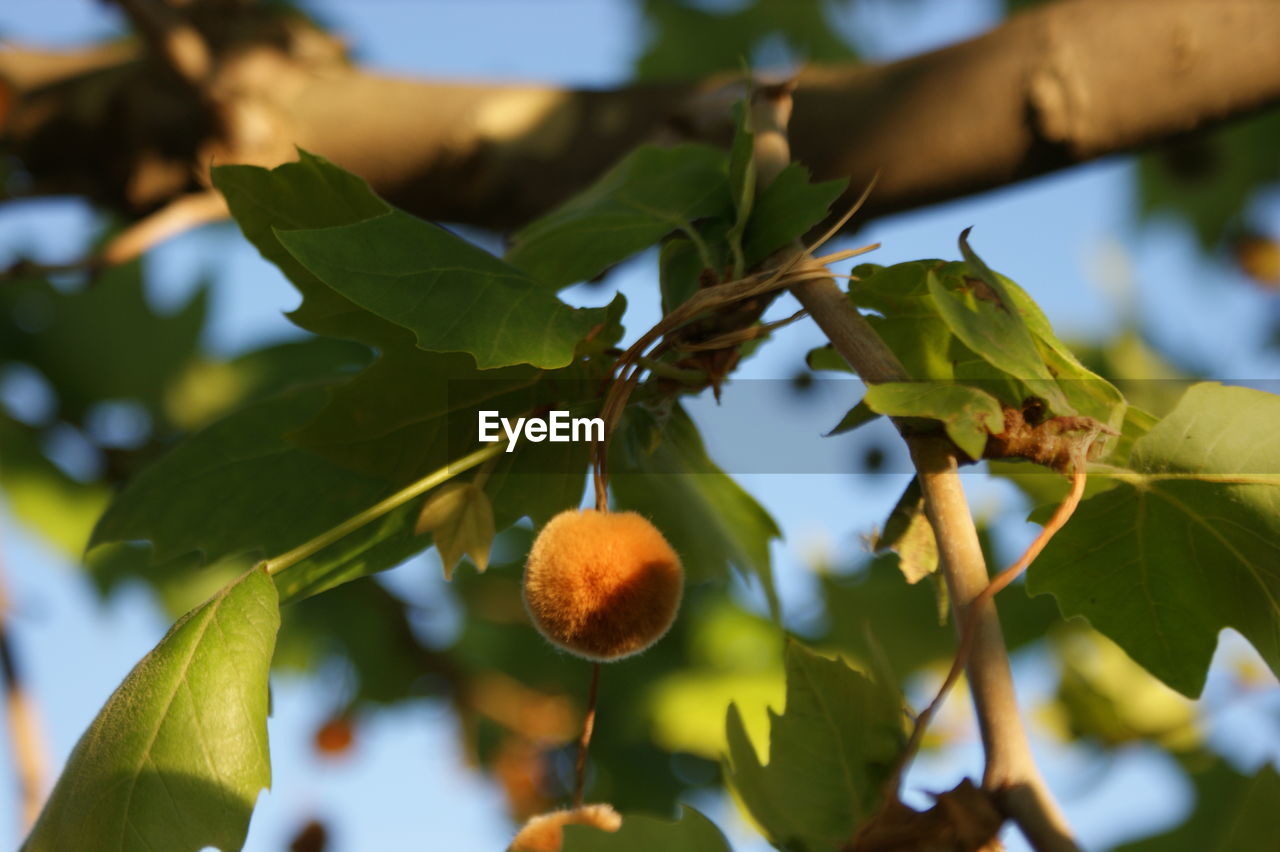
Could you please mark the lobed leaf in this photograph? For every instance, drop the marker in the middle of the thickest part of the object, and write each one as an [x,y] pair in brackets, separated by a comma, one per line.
[662,471]
[786,209]
[240,487]
[311,193]
[830,754]
[460,519]
[647,195]
[453,296]
[1186,544]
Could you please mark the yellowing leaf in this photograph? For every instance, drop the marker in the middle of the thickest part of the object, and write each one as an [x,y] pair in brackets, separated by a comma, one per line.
[460,518]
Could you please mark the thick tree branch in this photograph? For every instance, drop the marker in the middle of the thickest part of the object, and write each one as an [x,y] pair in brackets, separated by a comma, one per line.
[1064,83]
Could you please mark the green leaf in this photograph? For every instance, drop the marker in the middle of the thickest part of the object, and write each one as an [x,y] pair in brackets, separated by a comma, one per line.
[311,193]
[1234,813]
[907,533]
[100,342]
[460,519]
[968,414]
[662,471]
[786,209]
[933,314]
[647,195]
[239,487]
[689,42]
[909,322]
[41,495]
[1209,177]
[830,754]
[454,296]
[371,426]
[692,832]
[176,757]
[985,319]
[1187,544]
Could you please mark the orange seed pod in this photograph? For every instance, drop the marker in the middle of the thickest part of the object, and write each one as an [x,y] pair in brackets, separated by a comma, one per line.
[602,585]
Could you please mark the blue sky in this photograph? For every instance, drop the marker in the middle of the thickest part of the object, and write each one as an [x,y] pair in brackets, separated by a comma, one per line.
[1066,238]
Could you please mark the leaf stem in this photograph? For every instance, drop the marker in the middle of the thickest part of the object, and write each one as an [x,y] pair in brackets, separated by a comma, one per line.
[310,548]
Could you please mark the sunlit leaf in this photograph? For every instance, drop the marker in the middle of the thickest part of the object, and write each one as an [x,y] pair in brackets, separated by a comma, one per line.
[460,519]
[176,757]
[968,414]
[1187,544]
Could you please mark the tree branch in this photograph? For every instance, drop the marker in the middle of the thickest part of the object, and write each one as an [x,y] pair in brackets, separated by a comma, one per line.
[1061,84]
[1011,774]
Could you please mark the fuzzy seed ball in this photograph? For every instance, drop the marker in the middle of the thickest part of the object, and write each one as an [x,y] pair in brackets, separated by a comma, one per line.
[602,585]
[545,832]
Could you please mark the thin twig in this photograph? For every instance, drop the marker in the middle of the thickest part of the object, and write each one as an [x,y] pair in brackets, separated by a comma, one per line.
[26,739]
[584,742]
[177,217]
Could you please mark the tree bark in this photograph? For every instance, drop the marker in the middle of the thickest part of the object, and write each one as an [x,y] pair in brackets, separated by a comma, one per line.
[1061,84]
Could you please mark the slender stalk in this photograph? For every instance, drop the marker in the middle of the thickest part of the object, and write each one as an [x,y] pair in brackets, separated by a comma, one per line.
[1011,774]
[395,501]
[26,740]
[584,742]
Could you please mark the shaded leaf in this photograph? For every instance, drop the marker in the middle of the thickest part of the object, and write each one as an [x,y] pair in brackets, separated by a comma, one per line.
[647,195]
[692,832]
[786,209]
[176,757]
[453,296]
[662,471]
[41,495]
[460,519]
[830,753]
[240,487]
[1209,177]
[371,426]
[1187,544]
[311,193]
[689,42]
[100,342]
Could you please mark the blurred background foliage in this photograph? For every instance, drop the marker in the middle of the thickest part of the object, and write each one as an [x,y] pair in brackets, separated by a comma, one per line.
[96,382]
